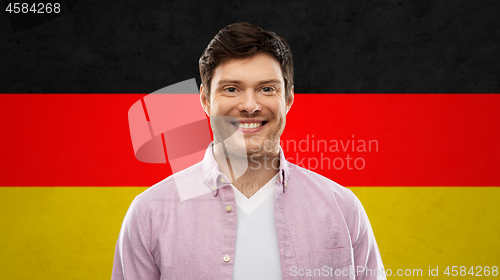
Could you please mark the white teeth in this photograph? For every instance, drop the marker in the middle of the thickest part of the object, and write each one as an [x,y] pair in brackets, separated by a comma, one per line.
[249,125]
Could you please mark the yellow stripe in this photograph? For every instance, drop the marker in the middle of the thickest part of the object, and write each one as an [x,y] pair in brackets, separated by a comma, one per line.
[422,227]
[62,232]
[71,232]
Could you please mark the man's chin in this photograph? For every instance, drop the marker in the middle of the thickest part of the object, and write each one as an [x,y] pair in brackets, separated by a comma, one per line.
[243,150]
[251,147]
[264,148]
[235,148]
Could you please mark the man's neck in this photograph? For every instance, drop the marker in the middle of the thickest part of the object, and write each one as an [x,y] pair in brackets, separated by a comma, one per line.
[258,172]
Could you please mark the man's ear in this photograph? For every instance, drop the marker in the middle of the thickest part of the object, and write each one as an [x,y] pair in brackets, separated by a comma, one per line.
[205,103]
[290,99]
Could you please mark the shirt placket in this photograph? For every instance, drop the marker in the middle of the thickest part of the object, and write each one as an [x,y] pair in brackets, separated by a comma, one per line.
[228,207]
[287,250]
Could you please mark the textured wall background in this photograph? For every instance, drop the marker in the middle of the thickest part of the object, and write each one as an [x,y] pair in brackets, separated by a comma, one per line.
[339,46]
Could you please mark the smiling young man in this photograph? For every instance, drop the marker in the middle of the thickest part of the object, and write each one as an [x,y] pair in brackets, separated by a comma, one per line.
[254,215]
[248,93]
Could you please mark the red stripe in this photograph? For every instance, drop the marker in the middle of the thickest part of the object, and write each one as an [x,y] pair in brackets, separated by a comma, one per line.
[423,140]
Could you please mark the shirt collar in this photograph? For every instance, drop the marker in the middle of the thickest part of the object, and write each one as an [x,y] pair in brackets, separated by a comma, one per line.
[214,179]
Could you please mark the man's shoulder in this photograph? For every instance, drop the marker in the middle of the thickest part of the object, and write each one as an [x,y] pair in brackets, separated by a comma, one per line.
[311,181]
[174,188]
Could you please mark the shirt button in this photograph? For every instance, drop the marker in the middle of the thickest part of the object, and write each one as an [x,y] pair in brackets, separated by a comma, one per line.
[227,258]
[222,180]
[229,208]
[213,188]
[285,184]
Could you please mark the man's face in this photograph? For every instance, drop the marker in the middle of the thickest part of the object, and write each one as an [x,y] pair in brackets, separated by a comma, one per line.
[248,95]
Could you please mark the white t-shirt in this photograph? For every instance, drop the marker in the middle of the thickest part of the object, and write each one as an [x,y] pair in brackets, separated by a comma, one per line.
[257,253]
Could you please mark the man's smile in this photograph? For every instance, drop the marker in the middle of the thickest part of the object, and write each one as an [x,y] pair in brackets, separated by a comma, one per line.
[249,125]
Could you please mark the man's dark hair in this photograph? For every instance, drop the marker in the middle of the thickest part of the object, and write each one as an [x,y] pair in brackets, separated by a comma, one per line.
[241,40]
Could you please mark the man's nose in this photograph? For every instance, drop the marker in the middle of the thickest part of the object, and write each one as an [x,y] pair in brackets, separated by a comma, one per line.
[249,102]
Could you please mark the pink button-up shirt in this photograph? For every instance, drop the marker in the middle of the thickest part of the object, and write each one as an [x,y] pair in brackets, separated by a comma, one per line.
[181,228]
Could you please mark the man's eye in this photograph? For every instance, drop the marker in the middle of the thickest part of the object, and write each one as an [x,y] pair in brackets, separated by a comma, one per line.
[230,89]
[267,89]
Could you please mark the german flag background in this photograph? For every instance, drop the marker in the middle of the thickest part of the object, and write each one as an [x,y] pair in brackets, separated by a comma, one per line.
[384,106]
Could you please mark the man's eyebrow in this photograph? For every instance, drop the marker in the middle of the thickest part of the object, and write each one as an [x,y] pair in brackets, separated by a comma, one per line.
[237,82]
[271,81]
[226,81]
